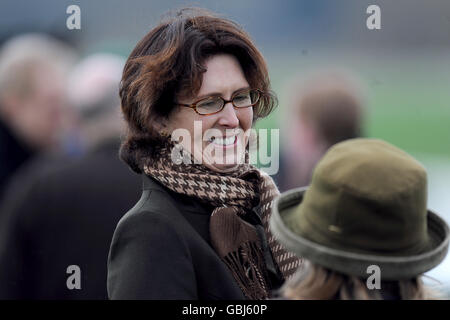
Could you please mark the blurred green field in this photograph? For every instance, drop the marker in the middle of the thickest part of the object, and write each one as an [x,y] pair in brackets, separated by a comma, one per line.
[417,122]
[408,100]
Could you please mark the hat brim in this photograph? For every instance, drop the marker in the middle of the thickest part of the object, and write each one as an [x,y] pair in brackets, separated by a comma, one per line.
[391,267]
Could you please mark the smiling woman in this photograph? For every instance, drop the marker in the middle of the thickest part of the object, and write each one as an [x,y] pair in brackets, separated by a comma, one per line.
[200,230]
[223,78]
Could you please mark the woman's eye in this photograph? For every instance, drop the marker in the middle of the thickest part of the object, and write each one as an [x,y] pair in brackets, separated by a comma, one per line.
[245,98]
[209,104]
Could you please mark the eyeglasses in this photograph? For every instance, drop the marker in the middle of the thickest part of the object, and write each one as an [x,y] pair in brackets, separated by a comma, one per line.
[214,104]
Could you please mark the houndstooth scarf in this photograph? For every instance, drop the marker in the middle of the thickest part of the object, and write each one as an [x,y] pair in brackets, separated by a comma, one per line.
[233,195]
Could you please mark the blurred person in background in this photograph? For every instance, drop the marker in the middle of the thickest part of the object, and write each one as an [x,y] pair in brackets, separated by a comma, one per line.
[32,98]
[362,225]
[327,108]
[66,216]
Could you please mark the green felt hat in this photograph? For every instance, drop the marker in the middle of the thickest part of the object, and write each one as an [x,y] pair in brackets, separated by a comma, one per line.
[366,205]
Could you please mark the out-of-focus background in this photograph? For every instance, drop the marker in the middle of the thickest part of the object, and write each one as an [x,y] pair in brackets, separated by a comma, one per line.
[403,68]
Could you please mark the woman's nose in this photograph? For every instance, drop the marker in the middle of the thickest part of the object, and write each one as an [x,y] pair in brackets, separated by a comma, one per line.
[228,116]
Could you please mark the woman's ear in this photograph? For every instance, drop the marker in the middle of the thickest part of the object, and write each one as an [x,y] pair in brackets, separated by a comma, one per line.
[161,126]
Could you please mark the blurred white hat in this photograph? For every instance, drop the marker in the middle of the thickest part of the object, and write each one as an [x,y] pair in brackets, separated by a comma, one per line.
[93,84]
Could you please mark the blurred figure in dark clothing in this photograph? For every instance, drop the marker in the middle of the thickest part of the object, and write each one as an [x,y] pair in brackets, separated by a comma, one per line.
[65,216]
[32,98]
[326,109]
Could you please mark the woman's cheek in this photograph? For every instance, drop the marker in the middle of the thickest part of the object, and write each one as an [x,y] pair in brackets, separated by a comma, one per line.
[248,116]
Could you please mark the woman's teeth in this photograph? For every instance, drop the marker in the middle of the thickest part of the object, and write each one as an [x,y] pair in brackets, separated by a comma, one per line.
[224,142]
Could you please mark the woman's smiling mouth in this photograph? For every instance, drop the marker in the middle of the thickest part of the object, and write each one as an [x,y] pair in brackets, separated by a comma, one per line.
[224,141]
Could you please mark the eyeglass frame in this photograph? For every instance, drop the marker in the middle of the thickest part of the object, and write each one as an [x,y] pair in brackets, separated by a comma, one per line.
[194,104]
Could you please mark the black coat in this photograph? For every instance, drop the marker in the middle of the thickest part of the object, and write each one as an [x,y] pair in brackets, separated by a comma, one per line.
[13,153]
[161,250]
[65,216]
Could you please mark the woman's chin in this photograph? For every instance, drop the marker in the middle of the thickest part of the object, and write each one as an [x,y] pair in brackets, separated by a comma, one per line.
[222,165]
[222,159]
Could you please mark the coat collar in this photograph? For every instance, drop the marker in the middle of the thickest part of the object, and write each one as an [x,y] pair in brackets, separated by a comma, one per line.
[183,202]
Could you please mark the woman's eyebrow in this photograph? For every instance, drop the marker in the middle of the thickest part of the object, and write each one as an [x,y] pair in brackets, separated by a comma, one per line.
[219,93]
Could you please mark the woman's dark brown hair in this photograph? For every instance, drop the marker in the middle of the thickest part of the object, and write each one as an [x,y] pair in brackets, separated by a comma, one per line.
[168,62]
